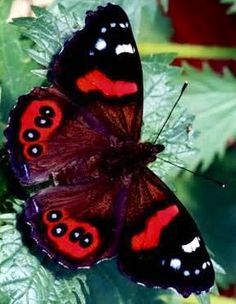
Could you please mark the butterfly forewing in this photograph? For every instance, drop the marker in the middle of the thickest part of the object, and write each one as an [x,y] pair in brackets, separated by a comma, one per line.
[77,225]
[100,67]
[47,134]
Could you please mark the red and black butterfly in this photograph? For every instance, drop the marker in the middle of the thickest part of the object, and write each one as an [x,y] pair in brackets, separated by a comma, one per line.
[82,134]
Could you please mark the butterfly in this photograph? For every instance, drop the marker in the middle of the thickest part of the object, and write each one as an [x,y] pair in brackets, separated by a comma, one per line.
[82,136]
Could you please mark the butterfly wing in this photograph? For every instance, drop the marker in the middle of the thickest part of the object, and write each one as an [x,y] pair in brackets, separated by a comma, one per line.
[160,244]
[47,133]
[101,69]
[77,225]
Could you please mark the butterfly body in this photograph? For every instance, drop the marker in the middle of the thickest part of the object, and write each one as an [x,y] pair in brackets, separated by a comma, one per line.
[82,135]
[129,158]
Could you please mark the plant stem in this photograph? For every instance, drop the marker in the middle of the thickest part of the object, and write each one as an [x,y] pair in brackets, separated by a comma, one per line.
[188,50]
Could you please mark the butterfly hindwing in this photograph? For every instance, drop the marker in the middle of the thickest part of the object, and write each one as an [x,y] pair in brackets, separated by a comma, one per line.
[77,225]
[160,244]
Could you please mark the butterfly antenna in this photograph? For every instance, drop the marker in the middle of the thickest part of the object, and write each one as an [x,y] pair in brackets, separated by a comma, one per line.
[218,183]
[174,106]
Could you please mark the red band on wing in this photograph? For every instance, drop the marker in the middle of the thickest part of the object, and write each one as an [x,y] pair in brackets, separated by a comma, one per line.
[98,81]
[149,238]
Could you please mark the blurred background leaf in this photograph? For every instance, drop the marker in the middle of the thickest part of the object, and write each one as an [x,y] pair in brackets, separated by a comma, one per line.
[14,64]
[212,99]
[232,8]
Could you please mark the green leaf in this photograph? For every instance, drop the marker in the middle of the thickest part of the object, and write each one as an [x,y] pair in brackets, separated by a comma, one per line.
[214,210]
[118,288]
[152,19]
[159,97]
[188,51]
[2,125]
[48,31]
[232,8]
[4,299]
[15,66]
[164,4]
[26,281]
[212,99]
[145,16]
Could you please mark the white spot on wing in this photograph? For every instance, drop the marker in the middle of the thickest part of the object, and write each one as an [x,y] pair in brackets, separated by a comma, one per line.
[175,263]
[30,135]
[103,30]
[113,24]
[126,24]
[192,246]
[122,25]
[100,44]
[197,271]
[204,265]
[124,48]
[58,230]
[186,273]
[35,150]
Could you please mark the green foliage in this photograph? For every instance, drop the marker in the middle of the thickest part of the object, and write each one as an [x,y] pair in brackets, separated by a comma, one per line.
[48,31]
[26,280]
[4,298]
[159,97]
[118,289]
[212,99]
[232,8]
[14,65]
[164,4]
